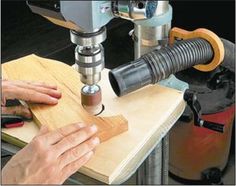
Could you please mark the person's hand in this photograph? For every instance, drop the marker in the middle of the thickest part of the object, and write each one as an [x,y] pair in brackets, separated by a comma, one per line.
[51,157]
[27,91]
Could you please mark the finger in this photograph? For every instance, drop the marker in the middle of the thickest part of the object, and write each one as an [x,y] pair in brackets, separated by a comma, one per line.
[75,139]
[73,167]
[43,130]
[78,151]
[29,95]
[49,91]
[17,110]
[41,84]
[57,135]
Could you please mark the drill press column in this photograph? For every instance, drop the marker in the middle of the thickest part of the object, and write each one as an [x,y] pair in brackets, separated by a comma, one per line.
[153,33]
[149,35]
[89,56]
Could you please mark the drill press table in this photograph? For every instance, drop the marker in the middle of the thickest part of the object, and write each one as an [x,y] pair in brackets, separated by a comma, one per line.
[150,112]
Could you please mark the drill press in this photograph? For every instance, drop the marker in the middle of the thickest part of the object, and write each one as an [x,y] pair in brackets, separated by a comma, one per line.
[152,24]
[86,21]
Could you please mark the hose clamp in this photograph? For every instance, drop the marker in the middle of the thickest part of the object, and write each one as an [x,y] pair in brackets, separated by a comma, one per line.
[212,38]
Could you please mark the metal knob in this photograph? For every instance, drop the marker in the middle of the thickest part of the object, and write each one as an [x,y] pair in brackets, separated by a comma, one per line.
[135,9]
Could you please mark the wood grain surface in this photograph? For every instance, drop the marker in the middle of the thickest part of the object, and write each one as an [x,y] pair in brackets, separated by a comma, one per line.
[150,112]
[69,109]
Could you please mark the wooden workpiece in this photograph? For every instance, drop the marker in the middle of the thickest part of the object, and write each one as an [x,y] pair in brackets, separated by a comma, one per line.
[150,113]
[69,109]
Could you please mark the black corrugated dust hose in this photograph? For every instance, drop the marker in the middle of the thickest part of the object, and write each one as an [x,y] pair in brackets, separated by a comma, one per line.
[229,59]
[160,64]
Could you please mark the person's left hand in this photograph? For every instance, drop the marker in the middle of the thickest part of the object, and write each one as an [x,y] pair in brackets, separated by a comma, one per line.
[27,91]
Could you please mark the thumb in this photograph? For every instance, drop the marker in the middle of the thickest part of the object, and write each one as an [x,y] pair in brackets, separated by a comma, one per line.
[17,110]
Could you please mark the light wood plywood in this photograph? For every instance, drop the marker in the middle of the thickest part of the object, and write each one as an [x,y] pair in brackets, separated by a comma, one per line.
[150,112]
[69,109]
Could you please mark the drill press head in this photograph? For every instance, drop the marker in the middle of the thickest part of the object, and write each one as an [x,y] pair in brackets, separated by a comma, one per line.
[86,20]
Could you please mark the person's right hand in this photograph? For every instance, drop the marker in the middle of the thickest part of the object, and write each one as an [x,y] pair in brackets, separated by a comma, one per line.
[51,157]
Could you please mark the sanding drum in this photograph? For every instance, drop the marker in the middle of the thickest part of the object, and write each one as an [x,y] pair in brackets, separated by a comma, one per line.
[91,99]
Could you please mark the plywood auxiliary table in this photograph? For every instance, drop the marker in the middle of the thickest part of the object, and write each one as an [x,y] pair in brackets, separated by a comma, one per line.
[149,113]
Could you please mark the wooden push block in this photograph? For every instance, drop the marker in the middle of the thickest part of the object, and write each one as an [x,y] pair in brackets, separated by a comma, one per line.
[69,109]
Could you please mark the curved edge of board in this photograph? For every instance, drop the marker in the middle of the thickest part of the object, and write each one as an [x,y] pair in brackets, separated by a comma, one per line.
[56,71]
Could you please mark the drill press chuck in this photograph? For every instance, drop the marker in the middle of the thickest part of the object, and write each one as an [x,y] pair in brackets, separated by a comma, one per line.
[89,54]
